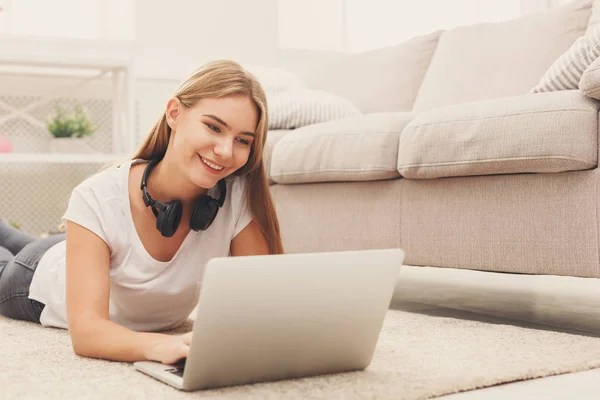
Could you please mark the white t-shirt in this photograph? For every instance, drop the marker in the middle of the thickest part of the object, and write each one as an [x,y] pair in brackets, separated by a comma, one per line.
[145,294]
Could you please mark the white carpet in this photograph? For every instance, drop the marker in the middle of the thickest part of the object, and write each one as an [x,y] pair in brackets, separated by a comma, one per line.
[419,355]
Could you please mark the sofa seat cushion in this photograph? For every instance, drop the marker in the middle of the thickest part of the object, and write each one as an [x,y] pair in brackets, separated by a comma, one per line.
[361,148]
[543,132]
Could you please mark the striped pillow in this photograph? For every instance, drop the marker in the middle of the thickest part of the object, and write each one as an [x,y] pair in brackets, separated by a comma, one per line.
[296,108]
[567,70]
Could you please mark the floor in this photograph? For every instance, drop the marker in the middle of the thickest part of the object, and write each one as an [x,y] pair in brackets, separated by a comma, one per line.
[562,301]
[581,385]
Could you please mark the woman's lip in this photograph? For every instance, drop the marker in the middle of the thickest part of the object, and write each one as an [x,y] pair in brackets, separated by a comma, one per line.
[212,162]
[208,168]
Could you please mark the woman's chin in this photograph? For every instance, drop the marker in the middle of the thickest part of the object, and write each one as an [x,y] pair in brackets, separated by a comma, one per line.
[205,181]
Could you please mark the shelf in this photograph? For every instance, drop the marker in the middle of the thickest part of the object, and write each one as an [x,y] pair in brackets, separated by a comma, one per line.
[63,158]
[106,57]
[66,53]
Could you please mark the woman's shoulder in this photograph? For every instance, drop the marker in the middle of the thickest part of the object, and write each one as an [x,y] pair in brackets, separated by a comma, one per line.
[107,182]
[236,186]
[237,181]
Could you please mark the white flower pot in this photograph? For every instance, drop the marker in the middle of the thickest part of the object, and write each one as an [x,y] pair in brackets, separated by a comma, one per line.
[70,145]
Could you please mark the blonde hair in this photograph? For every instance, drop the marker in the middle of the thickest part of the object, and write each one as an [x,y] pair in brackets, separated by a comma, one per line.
[219,79]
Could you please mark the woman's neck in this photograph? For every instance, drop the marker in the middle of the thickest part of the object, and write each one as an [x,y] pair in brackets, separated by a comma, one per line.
[167,182]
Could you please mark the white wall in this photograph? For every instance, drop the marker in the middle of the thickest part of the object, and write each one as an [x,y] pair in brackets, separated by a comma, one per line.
[533,6]
[359,25]
[175,39]
[556,3]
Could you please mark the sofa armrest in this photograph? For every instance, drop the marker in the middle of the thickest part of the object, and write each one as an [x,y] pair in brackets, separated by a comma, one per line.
[542,132]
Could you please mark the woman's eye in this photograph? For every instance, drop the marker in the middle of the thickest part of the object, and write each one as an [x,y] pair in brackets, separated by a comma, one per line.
[213,128]
[244,141]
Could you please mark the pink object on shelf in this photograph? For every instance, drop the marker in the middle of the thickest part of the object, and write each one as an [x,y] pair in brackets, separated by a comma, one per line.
[5,145]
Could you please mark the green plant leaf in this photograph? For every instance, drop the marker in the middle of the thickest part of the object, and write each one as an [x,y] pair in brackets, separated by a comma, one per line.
[77,125]
[15,225]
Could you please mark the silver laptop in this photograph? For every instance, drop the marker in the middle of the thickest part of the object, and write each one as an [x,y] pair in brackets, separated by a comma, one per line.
[267,318]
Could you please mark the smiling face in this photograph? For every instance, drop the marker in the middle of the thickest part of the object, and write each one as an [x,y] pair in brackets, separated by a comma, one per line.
[213,138]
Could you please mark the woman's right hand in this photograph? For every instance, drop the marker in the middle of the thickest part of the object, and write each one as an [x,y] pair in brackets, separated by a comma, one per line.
[169,349]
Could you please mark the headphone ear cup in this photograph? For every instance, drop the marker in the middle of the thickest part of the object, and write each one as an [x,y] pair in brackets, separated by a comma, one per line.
[204,213]
[168,218]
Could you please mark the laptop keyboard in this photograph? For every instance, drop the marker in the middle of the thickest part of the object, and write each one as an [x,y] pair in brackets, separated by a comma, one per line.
[177,368]
[176,371]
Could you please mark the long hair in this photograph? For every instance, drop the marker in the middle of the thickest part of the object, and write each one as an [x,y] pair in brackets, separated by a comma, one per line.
[219,79]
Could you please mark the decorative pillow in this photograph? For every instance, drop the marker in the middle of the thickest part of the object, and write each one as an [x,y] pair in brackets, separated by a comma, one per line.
[589,84]
[496,60]
[296,108]
[380,80]
[566,72]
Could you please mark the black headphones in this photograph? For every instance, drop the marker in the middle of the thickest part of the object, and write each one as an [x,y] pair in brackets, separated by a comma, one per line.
[168,215]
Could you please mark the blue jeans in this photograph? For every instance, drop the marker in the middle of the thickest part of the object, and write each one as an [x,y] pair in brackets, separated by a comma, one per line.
[16,273]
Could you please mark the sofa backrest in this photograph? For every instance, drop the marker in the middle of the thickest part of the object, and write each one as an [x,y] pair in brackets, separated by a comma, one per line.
[595,17]
[381,80]
[493,60]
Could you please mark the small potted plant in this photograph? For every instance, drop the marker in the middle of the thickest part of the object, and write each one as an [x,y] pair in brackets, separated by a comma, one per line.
[68,131]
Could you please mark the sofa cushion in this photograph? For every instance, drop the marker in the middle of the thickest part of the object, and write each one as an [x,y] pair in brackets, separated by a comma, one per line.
[496,60]
[381,80]
[296,108]
[544,132]
[567,71]
[359,148]
[595,17]
[273,136]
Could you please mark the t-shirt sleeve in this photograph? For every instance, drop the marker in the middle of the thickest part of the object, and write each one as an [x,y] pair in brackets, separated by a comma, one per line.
[241,209]
[85,209]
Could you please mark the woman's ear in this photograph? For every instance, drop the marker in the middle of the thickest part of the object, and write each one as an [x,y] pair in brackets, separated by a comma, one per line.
[172,112]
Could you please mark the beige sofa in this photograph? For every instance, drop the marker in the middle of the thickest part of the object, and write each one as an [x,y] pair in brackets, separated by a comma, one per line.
[453,160]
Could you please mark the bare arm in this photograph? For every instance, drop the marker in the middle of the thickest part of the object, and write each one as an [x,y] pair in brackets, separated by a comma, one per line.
[88,286]
[249,242]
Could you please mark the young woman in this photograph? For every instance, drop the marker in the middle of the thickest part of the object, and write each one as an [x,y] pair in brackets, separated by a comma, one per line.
[139,235]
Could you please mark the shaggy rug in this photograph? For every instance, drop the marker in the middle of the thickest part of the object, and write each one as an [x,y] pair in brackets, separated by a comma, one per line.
[422,353]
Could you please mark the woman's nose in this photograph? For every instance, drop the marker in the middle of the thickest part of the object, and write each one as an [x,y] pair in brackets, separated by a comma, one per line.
[224,148]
